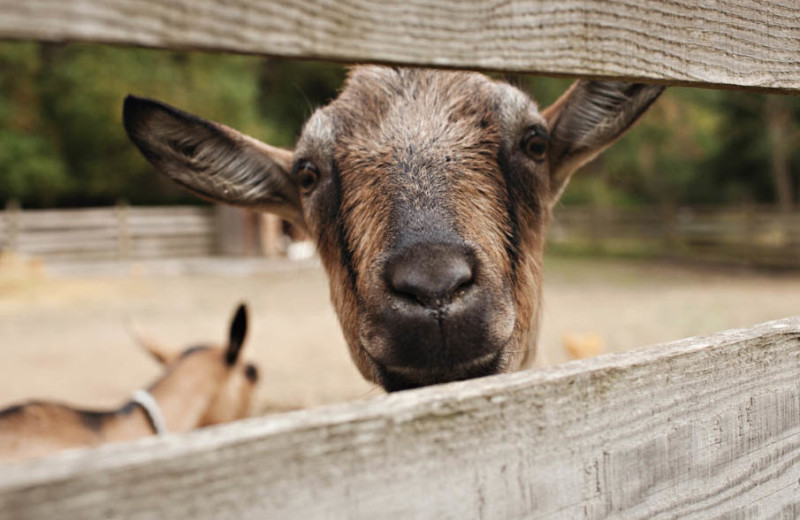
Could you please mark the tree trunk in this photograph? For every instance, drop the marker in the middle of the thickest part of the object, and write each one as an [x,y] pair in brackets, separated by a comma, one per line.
[778,130]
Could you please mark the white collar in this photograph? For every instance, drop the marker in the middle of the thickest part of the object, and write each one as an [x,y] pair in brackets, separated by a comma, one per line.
[148,403]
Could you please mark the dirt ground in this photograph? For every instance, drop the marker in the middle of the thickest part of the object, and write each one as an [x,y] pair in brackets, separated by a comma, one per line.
[66,337]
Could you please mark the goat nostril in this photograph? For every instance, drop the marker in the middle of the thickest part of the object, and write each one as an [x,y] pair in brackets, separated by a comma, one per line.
[461,283]
[462,288]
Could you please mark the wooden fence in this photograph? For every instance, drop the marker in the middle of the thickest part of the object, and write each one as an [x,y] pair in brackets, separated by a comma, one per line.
[707,427]
[702,428]
[120,232]
[731,43]
[751,236]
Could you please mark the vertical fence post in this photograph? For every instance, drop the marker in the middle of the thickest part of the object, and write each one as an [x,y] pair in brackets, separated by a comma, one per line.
[595,229]
[123,230]
[236,232]
[751,236]
[12,216]
[669,235]
[270,235]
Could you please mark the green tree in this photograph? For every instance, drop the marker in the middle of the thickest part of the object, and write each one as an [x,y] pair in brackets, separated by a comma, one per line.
[83,89]
[62,142]
[30,165]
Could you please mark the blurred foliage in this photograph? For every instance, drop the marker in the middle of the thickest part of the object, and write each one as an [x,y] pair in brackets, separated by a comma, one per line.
[60,117]
[62,142]
[694,146]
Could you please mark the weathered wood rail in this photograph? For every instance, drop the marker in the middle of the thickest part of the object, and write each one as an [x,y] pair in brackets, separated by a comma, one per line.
[757,236]
[727,43]
[121,232]
[701,428]
[127,232]
[707,427]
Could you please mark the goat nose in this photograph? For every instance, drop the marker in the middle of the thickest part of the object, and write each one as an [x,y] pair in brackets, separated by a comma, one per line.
[432,274]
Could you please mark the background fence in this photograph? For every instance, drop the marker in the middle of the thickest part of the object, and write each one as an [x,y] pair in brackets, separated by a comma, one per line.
[120,232]
[751,236]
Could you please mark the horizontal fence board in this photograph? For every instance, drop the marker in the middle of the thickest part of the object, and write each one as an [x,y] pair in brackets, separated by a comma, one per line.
[175,212]
[60,218]
[46,248]
[95,255]
[152,246]
[754,236]
[147,247]
[726,43]
[167,220]
[707,427]
[100,256]
[122,232]
[68,235]
[172,228]
[152,254]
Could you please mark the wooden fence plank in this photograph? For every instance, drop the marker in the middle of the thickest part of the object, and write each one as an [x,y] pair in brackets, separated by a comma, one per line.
[755,236]
[707,427]
[726,43]
[65,218]
[102,233]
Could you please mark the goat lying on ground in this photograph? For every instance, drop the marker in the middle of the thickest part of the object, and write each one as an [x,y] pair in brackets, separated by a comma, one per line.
[428,194]
[201,386]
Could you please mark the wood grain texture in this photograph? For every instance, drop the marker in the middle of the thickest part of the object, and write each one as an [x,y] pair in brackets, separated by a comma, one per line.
[726,43]
[707,427]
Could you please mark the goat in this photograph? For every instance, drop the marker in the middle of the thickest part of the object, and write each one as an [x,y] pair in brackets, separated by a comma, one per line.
[428,194]
[201,386]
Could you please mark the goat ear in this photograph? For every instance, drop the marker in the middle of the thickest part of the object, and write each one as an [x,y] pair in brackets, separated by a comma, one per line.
[157,351]
[588,118]
[237,334]
[211,160]
[161,356]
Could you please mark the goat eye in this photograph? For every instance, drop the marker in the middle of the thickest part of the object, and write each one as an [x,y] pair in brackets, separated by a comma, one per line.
[534,144]
[306,175]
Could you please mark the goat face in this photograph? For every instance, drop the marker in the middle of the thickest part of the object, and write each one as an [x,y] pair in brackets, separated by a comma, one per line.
[428,194]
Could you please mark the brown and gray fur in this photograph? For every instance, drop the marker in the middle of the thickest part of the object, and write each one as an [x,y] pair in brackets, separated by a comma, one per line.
[201,386]
[409,178]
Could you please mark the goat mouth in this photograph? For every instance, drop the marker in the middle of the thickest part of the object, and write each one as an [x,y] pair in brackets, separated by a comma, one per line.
[396,378]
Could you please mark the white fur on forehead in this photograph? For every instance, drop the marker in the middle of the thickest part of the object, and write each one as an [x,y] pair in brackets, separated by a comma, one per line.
[390,83]
[318,136]
[388,90]
[517,111]
[516,108]
[387,80]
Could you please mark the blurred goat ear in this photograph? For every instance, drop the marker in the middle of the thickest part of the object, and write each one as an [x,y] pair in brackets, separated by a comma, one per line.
[162,354]
[237,334]
[211,160]
[588,118]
